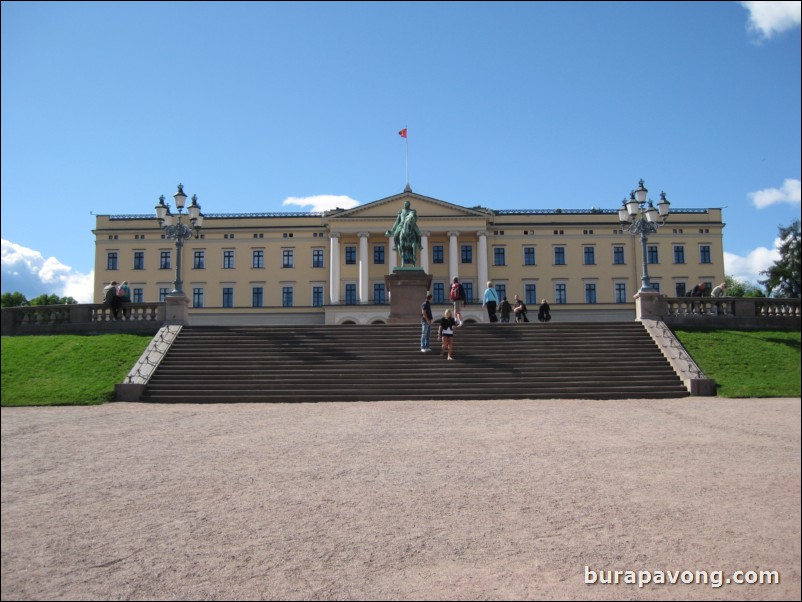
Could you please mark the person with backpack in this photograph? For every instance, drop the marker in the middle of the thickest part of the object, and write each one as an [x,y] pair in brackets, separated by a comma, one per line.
[506,310]
[520,310]
[124,295]
[111,298]
[458,297]
[544,313]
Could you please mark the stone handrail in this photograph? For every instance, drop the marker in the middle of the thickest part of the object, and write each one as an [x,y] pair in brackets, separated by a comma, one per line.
[83,318]
[720,312]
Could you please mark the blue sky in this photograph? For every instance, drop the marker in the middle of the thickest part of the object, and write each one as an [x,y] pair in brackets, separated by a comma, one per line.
[294,106]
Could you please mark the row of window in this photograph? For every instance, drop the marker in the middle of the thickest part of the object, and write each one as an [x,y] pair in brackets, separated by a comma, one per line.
[438,255]
[530,294]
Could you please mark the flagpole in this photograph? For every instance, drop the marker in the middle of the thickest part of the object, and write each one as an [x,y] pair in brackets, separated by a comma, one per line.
[406,140]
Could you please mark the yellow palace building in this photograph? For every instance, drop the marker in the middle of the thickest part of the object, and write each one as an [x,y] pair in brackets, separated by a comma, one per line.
[330,267]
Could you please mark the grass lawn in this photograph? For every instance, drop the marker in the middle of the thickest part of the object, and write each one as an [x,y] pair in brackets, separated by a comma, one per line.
[66,369]
[762,363]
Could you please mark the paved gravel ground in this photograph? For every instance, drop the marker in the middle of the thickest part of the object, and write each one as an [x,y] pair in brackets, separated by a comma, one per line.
[400,500]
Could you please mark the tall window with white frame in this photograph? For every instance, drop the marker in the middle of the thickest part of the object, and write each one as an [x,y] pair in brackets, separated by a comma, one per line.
[228,296]
[350,293]
[467,254]
[559,255]
[199,260]
[288,259]
[620,292]
[197,296]
[379,296]
[590,255]
[560,293]
[317,296]
[652,255]
[165,262]
[618,255]
[499,256]
[257,296]
[258,259]
[679,254]
[286,296]
[437,254]
[704,254]
[228,259]
[438,293]
[530,293]
[529,256]
[111,260]
[317,258]
[139,260]
[590,292]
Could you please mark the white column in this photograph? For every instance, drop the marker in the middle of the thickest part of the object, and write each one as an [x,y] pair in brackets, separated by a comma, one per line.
[334,269]
[424,251]
[363,267]
[392,256]
[453,257]
[480,286]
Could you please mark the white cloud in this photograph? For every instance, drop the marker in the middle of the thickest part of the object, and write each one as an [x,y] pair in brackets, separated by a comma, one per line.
[789,193]
[28,272]
[322,202]
[748,268]
[769,18]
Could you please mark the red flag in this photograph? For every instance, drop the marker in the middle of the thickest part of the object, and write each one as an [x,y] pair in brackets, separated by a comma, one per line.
[403,133]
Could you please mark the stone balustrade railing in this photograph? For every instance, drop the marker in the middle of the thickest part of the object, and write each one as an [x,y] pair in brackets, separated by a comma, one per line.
[721,312]
[84,318]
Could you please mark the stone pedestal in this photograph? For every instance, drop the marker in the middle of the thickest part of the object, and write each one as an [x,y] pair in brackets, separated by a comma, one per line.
[177,309]
[650,305]
[407,288]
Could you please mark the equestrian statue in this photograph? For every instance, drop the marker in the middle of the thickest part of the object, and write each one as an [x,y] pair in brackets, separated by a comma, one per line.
[406,235]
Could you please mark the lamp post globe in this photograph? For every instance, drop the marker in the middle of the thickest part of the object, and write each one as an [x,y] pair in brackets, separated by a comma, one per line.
[175,229]
[640,217]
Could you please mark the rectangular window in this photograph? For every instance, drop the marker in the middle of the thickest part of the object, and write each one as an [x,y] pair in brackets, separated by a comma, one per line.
[350,294]
[590,255]
[286,296]
[350,255]
[164,260]
[197,297]
[199,260]
[590,292]
[468,287]
[651,254]
[287,259]
[618,255]
[438,293]
[499,256]
[317,296]
[679,254]
[378,254]
[680,289]
[111,260]
[138,295]
[501,290]
[379,297]
[559,255]
[467,253]
[258,260]
[529,255]
[228,296]
[620,292]
[530,294]
[704,254]
[560,294]
[139,260]
[437,254]
[257,296]
[163,292]
[317,258]
[228,260]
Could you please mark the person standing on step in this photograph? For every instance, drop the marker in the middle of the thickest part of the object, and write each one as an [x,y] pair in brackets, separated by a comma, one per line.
[457,295]
[445,332]
[544,313]
[506,310]
[520,310]
[426,323]
[490,301]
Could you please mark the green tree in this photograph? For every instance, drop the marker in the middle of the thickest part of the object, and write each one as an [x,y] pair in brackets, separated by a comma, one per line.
[784,276]
[45,299]
[741,288]
[15,299]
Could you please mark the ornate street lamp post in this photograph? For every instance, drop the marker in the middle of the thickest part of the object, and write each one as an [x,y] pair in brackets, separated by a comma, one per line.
[638,218]
[175,229]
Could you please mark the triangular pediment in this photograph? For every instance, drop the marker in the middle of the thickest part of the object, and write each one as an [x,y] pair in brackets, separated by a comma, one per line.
[388,208]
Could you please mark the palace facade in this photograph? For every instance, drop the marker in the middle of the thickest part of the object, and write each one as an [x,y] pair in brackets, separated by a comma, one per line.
[316,268]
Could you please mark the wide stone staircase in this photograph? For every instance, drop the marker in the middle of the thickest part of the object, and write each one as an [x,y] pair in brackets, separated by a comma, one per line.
[384,362]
